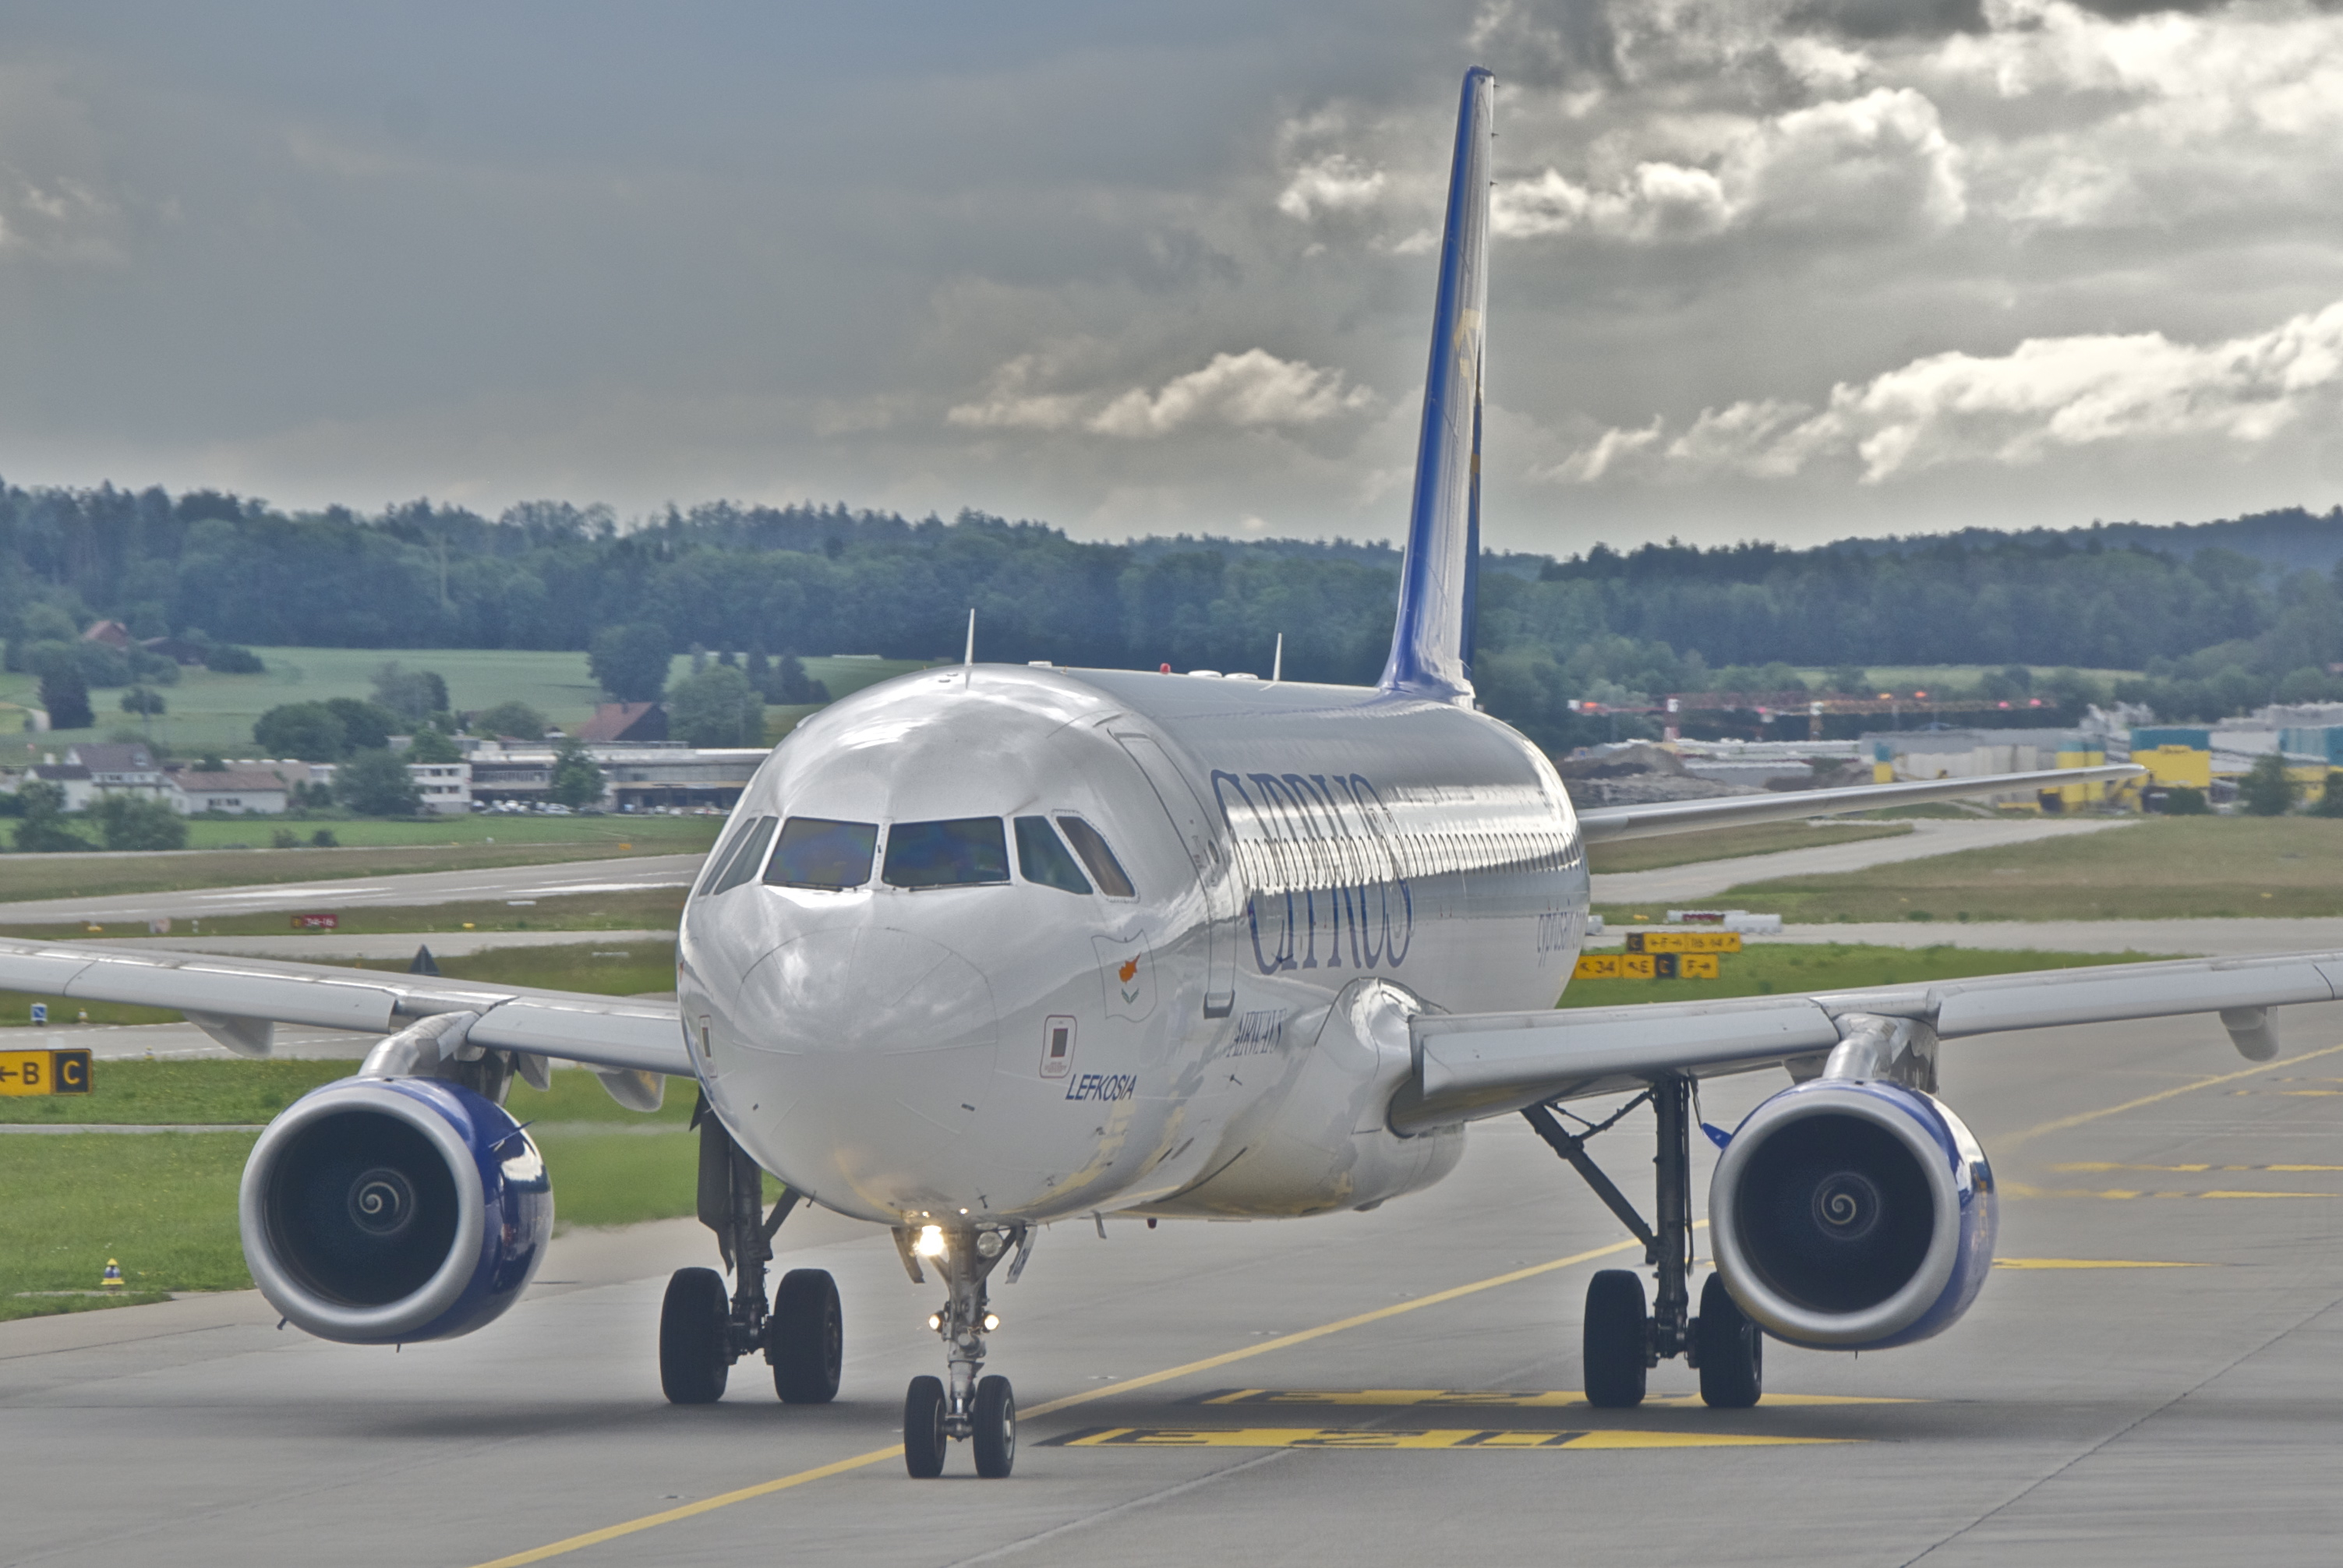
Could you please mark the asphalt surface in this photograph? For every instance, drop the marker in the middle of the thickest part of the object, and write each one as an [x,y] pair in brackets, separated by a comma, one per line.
[1929,836]
[2081,1415]
[2192,938]
[370,892]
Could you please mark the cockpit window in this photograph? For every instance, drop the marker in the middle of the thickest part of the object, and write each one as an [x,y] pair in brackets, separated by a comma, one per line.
[954,854]
[748,852]
[1105,870]
[817,852]
[1043,857]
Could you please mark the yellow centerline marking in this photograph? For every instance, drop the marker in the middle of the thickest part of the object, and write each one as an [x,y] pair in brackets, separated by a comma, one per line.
[2089,1263]
[2064,1122]
[1329,1437]
[878,1455]
[2126,1194]
[2098,1167]
[1550,1399]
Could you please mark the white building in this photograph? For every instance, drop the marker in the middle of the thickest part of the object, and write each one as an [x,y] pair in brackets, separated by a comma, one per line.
[239,791]
[447,786]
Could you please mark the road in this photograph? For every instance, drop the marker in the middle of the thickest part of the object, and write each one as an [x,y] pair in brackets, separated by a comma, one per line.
[370,892]
[1707,879]
[2083,1414]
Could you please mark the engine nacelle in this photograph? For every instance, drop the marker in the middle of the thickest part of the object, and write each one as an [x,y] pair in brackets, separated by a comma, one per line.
[377,1211]
[1853,1215]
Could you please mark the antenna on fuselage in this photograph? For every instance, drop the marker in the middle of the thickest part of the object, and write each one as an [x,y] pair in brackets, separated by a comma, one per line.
[1277,661]
[968,658]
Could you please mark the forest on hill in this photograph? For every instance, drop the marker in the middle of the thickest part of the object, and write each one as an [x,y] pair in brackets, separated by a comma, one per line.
[2215,628]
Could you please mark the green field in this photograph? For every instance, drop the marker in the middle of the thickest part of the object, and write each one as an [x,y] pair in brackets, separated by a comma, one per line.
[211,711]
[1727,844]
[77,876]
[2162,868]
[1791,968]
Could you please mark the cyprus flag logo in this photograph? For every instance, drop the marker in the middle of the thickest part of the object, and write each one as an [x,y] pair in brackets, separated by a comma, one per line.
[1128,971]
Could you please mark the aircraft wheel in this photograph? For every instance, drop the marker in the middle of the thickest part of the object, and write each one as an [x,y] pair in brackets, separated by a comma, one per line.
[1612,1343]
[807,1337]
[996,1428]
[1732,1350]
[923,1428]
[695,1324]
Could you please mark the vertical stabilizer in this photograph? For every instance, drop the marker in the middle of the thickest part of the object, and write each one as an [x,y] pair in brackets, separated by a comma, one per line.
[1431,646]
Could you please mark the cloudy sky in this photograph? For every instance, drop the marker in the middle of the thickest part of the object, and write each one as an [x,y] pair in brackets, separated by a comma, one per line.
[1788,269]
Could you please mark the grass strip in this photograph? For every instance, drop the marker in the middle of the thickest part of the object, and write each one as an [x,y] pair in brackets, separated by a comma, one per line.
[1729,844]
[2164,867]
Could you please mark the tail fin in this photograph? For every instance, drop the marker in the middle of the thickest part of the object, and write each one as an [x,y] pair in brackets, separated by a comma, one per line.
[1431,646]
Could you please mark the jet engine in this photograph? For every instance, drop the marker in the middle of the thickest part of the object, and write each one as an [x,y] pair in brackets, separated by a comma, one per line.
[1853,1215]
[377,1211]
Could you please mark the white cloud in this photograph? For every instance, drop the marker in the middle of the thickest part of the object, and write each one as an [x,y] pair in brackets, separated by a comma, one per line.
[1336,183]
[1880,161]
[2045,396]
[1252,391]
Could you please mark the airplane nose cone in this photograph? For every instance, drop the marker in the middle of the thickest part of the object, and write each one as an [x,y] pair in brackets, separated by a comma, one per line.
[869,1024]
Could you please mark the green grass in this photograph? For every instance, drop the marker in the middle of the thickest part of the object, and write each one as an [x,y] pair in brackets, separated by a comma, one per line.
[592,837]
[1727,844]
[617,909]
[632,969]
[238,1092]
[30,877]
[216,711]
[2164,867]
[1789,968]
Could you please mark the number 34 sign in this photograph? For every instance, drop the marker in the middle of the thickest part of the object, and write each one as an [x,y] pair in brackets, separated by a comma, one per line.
[43,1072]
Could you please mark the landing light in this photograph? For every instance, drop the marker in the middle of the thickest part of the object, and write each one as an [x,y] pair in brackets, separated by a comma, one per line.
[987,1243]
[991,1321]
[930,1243]
[936,1322]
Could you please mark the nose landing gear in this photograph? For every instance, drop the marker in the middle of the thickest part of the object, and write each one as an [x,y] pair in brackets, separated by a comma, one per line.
[980,1410]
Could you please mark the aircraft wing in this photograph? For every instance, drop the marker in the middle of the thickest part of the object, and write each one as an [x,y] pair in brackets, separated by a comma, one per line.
[236,999]
[1469,1066]
[1604,824]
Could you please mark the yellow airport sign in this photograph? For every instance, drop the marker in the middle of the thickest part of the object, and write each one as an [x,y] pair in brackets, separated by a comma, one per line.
[1646,966]
[1684,941]
[43,1072]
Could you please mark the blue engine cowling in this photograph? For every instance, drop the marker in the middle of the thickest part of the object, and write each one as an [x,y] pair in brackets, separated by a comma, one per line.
[382,1211]
[1853,1215]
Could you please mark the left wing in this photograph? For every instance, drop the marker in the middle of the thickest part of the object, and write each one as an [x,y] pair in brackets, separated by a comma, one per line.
[1469,1066]
[235,1000]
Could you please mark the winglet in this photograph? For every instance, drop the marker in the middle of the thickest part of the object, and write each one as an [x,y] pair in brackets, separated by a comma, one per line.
[1432,645]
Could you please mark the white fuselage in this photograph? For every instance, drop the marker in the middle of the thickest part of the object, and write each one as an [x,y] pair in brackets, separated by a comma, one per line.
[1218,1042]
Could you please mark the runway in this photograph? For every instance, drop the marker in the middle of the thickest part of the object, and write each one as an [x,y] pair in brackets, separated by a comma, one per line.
[551,881]
[1286,1392]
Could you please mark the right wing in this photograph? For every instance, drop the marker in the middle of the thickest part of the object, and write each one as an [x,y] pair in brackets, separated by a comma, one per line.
[1469,1066]
[1606,824]
[235,999]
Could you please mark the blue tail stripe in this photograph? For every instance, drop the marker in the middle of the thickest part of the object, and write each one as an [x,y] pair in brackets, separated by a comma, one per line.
[1431,644]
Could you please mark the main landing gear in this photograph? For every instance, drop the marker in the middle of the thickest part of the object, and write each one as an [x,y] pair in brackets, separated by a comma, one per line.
[1621,1340]
[702,1331]
[980,1410]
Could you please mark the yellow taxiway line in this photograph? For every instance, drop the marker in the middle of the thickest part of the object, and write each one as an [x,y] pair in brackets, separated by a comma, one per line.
[1437,1437]
[878,1455]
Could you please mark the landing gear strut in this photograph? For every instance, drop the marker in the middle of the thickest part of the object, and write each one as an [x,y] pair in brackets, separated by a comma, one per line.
[1620,1341]
[703,1332]
[981,1410]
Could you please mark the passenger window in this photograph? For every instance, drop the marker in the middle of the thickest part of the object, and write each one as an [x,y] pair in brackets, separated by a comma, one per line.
[1105,870]
[964,852]
[816,852]
[1043,857]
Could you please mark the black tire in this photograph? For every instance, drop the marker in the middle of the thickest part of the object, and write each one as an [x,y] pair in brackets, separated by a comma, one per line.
[923,1428]
[695,1329]
[1613,1337]
[996,1428]
[1732,1350]
[806,1339]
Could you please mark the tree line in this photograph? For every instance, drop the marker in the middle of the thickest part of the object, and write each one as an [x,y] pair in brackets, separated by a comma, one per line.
[2213,629]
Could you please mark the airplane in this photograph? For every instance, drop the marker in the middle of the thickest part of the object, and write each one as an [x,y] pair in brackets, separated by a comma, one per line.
[987,947]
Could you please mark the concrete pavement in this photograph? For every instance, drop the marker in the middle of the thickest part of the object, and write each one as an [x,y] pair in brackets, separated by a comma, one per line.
[1705,879]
